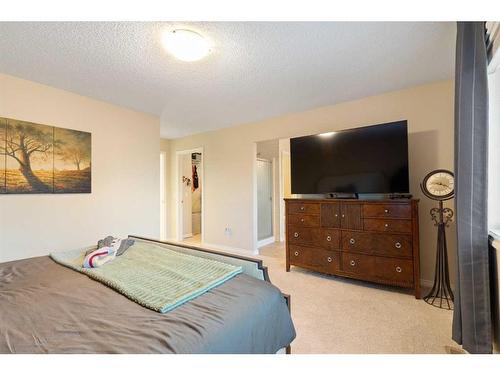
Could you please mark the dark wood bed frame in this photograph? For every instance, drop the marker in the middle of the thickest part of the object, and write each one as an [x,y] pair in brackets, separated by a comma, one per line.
[258,262]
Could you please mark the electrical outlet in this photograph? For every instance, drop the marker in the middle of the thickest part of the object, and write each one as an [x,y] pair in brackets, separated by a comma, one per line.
[228,231]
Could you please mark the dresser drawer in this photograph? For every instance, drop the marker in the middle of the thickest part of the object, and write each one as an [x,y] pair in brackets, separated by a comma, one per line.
[381,244]
[398,245]
[362,265]
[303,208]
[388,225]
[394,270]
[358,242]
[329,239]
[387,210]
[301,235]
[315,258]
[304,220]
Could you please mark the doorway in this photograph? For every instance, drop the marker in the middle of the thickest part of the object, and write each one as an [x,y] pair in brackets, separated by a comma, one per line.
[190,196]
[266,193]
[271,185]
[265,233]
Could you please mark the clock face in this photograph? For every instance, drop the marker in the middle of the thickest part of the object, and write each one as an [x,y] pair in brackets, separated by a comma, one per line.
[439,184]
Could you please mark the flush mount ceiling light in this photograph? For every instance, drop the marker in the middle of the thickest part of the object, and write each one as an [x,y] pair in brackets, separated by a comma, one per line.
[186,45]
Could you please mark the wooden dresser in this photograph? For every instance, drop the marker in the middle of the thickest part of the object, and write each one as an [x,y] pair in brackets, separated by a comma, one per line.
[372,240]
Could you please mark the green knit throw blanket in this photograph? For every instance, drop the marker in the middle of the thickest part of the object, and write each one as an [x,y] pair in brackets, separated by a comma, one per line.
[153,276]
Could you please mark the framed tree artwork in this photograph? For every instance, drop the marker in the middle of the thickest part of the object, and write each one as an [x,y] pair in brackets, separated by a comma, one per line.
[41,159]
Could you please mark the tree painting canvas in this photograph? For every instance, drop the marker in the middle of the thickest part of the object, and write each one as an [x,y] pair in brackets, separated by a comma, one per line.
[41,159]
[3,129]
[71,161]
[29,162]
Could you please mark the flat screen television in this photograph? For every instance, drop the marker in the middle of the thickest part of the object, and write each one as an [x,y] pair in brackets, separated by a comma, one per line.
[366,160]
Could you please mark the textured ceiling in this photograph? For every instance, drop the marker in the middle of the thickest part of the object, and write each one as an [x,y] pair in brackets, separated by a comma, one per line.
[255,70]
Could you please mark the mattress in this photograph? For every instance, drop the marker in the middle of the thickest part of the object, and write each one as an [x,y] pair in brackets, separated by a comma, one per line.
[48,308]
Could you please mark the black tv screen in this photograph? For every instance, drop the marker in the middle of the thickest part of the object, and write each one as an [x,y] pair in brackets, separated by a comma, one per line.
[371,159]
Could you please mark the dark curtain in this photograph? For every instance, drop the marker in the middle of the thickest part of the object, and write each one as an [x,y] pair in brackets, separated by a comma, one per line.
[472,314]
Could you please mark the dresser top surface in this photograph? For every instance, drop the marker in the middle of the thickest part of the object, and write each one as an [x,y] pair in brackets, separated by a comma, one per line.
[352,201]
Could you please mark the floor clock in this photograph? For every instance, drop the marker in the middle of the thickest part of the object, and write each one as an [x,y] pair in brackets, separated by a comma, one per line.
[439,185]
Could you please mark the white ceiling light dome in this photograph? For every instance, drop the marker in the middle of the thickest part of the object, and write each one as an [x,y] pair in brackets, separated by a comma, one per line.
[186,45]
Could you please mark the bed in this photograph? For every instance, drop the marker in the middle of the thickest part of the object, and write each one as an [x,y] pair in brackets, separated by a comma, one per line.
[48,308]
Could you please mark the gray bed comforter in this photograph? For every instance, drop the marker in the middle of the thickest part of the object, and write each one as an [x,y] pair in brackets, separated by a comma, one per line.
[47,308]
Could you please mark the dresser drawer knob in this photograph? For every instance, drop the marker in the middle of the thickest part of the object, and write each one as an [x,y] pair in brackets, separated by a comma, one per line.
[386,211]
[296,234]
[302,208]
[336,215]
[296,253]
[352,263]
[302,220]
[329,259]
[398,269]
[398,245]
[343,215]
[386,225]
[352,241]
[328,238]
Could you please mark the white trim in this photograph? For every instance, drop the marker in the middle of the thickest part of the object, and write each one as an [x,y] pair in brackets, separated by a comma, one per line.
[265,241]
[493,29]
[257,242]
[428,284]
[229,249]
[179,236]
[188,235]
[255,235]
[495,233]
[273,211]
[282,195]
[495,62]
[213,246]
[163,196]
[264,160]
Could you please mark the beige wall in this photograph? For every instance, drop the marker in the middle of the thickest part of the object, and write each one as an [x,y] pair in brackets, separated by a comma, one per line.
[125,174]
[230,154]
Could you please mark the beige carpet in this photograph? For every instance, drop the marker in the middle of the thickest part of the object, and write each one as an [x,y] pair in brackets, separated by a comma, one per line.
[338,315]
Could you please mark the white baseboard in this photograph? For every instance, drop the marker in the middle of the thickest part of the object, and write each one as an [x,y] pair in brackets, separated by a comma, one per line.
[229,249]
[428,284]
[213,246]
[265,241]
[188,235]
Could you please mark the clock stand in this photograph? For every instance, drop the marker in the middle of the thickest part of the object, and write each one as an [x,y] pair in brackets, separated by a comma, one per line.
[441,294]
[438,185]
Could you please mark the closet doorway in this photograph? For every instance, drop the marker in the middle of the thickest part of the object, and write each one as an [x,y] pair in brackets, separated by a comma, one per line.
[266,192]
[190,196]
[265,232]
[271,185]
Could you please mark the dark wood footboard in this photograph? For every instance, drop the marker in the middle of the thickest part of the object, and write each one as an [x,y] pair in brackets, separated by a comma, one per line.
[251,266]
[288,300]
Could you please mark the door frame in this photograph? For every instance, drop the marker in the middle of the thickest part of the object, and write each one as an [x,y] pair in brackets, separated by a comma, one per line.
[163,194]
[282,195]
[178,205]
[272,238]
